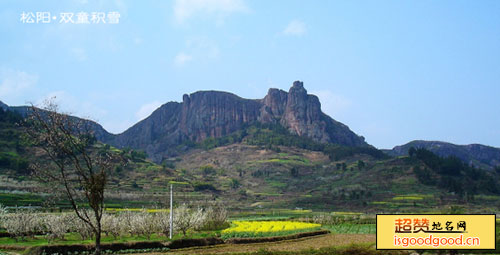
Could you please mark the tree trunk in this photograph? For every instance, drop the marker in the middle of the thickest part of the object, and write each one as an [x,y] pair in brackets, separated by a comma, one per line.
[98,240]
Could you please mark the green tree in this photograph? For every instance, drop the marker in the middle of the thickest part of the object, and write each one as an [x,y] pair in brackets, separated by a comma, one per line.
[138,155]
[412,151]
[234,183]
[207,170]
[361,164]
[497,169]
[240,171]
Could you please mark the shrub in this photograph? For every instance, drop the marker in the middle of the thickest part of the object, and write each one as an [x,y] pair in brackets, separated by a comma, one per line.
[21,223]
[201,186]
[215,218]
[186,218]
[57,225]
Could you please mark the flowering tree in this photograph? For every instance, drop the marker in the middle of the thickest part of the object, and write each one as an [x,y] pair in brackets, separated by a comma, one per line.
[186,218]
[216,217]
[164,223]
[57,225]
[21,223]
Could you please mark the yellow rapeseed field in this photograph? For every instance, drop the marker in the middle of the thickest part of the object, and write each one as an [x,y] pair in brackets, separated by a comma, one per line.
[267,228]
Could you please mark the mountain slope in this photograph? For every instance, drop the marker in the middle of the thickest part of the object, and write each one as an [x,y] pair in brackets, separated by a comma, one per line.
[264,166]
[476,154]
[289,177]
[3,106]
[100,133]
[206,114]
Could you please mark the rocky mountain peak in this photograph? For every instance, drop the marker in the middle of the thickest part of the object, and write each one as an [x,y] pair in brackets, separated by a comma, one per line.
[297,85]
[274,104]
[302,112]
[185,99]
[205,114]
[297,91]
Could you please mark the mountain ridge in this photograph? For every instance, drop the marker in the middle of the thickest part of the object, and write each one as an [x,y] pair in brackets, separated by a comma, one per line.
[205,114]
[211,113]
[3,106]
[99,132]
[475,154]
[265,165]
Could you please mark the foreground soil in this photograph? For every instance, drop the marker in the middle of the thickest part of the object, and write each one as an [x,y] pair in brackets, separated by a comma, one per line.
[305,243]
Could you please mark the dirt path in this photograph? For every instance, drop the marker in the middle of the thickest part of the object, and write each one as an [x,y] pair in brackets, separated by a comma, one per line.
[306,243]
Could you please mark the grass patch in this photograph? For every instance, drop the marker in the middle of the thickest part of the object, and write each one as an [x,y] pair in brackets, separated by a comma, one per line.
[277,184]
[379,202]
[412,197]
[74,238]
[348,228]
[290,161]
[347,213]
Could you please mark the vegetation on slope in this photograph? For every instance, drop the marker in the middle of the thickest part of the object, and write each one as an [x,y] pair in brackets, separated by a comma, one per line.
[273,135]
[263,166]
[452,174]
[11,145]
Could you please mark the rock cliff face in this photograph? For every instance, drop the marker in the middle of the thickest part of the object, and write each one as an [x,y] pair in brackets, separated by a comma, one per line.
[215,114]
[206,114]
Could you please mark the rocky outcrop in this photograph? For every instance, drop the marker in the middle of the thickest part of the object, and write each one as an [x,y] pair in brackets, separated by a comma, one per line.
[476,154]
[301,114]
[215,114]
[274,105]
[206,114]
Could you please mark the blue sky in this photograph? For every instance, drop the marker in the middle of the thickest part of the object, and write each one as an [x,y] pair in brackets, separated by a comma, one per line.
[393,71]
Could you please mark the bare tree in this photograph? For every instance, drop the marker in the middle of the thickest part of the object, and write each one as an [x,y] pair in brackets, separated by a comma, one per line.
[76,166]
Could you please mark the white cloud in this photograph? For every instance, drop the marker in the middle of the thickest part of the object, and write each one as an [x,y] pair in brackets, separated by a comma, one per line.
[138,40]
[182,58]
[79,54]
[331,103]
[15,82]
[203,47]
[197,48]
[186,9]
[121,6]
[146,110]
[295,28]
